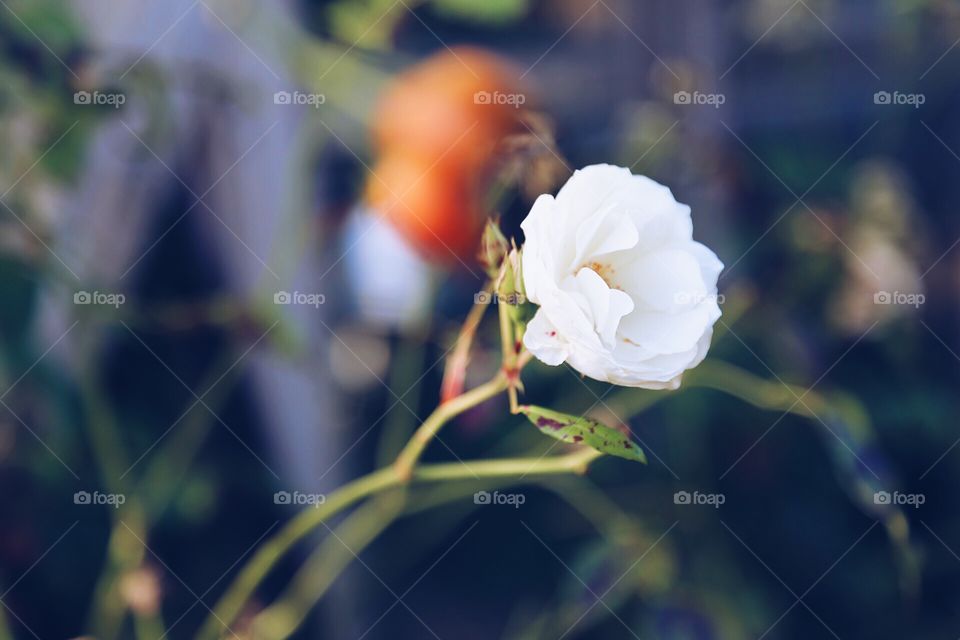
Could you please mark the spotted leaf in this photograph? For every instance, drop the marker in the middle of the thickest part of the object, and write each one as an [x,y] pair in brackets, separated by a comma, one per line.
[586,431]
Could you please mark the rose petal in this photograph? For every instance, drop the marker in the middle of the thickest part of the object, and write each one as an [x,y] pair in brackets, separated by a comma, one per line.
[609,231]
[543,341]
[588,188]
[710,265]
[541,229]
[668,280]
[663,332]
[626,295]
[605,306]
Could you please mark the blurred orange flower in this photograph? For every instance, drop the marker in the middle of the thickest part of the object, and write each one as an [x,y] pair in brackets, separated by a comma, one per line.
[437,129]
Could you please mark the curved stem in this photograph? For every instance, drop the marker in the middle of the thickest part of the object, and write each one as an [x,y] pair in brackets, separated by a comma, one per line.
[285,615]
[759,392]
[455,370]
[232,602]
[411,453]
[5,633]
[282,618]
[576,462]
[124,552]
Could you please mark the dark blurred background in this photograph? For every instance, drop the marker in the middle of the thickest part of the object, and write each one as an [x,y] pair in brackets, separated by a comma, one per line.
[148,169]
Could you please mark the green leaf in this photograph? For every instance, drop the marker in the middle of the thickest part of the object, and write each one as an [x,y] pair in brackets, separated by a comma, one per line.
[488,11]
[366,24]
[580,430]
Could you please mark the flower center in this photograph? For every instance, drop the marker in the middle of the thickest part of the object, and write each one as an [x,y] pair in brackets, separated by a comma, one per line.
[605,271]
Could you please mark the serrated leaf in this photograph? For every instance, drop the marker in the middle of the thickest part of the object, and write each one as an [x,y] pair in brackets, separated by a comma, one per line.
[586,431]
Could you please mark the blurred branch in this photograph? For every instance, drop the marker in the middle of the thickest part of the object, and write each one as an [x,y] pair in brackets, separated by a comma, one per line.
[410,355]
[124,550]
[325,564]
[313,580]
[169,465]
[149,627]
[353,535]
[232,602]
[5,633]
[850,418]
[754,390]
[455,369]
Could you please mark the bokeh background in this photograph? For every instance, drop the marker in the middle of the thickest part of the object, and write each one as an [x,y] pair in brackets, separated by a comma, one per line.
[818,144]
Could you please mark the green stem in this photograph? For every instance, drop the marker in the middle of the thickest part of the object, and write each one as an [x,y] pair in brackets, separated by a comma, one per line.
[5,633]
[232,602]
[400,424]
[123,552]
[411,453]
[509,348]
[230,605]
[168,466]
[149,627]
[282,618]
[754,390]
[576,462]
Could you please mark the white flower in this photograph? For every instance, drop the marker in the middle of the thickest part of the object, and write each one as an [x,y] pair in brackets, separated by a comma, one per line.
[626,296]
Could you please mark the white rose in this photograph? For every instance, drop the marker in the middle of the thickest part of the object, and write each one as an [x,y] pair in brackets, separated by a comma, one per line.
[626,296]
